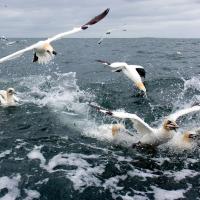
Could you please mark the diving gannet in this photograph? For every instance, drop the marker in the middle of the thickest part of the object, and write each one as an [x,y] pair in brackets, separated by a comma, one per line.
[43,50]
[133,72]
[8,98]
[152,136]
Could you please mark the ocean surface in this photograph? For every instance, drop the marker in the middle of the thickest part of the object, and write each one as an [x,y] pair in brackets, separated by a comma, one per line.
[54,146]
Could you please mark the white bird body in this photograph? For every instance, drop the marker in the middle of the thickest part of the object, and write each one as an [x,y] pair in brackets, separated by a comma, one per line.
[133,72]
[117,133]
[152,136]
[43,51]
[7,97]
[186,139]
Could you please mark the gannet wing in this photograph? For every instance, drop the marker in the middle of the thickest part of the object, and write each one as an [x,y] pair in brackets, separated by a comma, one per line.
[139,124]
[182,112]
[116,65]
[103,62]
[18,53]
[83,27]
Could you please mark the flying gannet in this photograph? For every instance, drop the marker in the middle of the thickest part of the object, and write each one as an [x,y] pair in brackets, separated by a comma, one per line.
[108,32]
[152,136]
[43,50]
[8,98]
[133,72]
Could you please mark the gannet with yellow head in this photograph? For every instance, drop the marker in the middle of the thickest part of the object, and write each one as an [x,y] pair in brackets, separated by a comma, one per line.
[43,50]
[152,136]
[133,72]
[185,140]
[8,98]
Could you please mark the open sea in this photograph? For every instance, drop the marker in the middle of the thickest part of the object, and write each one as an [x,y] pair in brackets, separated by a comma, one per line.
[54,146]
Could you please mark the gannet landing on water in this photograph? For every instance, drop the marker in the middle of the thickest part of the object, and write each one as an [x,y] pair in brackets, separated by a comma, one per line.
[8,98]
[133,72]
[43,50]
[152,136]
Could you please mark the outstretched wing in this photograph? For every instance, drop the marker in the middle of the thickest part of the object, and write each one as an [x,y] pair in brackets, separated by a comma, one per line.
[138,123]
[83,27]
[182,112]
[118,66]
[18,53]
[59,36]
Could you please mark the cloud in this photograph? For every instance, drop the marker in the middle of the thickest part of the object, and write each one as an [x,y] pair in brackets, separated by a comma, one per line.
[144,18]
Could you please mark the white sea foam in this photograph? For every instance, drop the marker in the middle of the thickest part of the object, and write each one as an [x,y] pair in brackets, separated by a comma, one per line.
[32,194]
[12,186]
[161,194]
[182,174]
[36,154]
[83,173]
[3,154]
[142,173]
[192,83]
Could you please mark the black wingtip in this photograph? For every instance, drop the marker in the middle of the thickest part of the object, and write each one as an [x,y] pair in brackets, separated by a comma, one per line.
[35,58]
[94,106]
[195,104]
[96,19]
[103,62]
[141,72]
[109,113]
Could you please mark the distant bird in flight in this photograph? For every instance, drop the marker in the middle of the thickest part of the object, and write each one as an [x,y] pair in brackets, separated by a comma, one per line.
[108,32]
[133,72]
[152,136]
[8,98]
[43,50]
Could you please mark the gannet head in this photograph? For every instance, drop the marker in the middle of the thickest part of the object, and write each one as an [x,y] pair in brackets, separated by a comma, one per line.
[49,49]
[116,128]
[141,86]
[10,91]
[170,125]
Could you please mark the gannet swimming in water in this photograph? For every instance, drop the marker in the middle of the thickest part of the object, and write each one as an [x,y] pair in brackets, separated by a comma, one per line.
[115,133]
[152,136]
[43,50]
[185,140]
[133,72]
[8,98]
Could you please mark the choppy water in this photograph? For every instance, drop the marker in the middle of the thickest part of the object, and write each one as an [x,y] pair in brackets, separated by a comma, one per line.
[53,145]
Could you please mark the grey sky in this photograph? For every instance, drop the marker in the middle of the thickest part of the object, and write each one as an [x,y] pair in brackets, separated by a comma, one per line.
[144,18]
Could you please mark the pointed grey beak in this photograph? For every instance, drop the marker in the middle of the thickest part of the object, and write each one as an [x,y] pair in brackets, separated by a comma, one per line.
[173,126]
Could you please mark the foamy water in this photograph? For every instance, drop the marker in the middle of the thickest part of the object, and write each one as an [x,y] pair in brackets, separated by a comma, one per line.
[54,146]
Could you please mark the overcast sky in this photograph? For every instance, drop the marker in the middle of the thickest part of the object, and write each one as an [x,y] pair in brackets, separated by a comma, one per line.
[143,18]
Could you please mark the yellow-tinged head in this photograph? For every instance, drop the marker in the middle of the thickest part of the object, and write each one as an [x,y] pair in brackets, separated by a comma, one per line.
[141,86]
[116,128]
[170,125]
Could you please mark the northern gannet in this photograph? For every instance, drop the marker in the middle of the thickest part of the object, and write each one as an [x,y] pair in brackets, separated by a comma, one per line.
[116,133]
[108,32]
[152,136]
[186,139]
[8,98]
[133,72]
[43,50]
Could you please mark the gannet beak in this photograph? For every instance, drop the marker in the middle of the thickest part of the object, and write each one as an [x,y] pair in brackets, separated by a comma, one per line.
[173,126]
[141,86]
